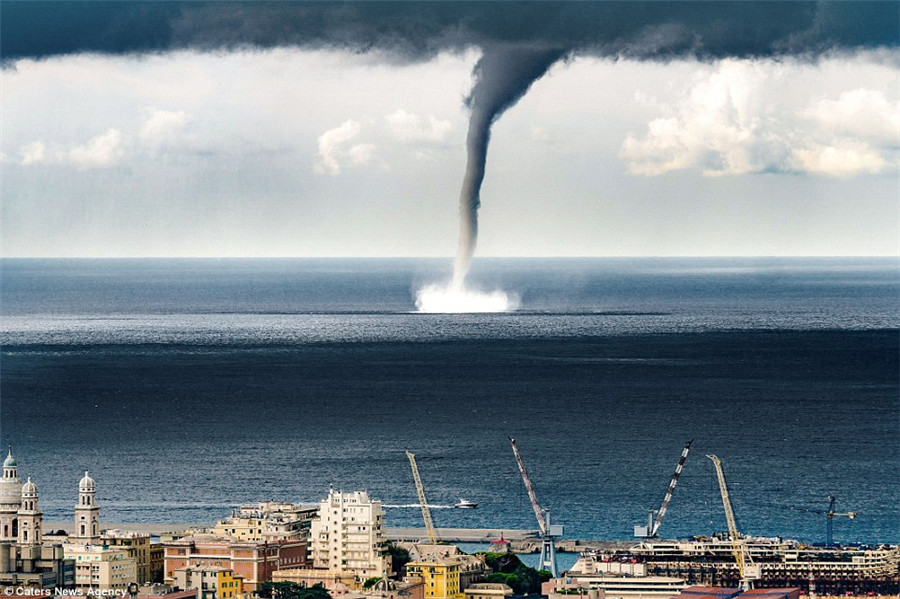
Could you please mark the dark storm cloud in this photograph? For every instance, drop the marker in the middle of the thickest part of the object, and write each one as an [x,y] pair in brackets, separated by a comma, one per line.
[418,30]
[520,41]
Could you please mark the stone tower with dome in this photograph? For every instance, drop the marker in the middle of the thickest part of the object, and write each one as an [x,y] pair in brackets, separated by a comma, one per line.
[10,500]
[30,516]
[24,559]
[87,512]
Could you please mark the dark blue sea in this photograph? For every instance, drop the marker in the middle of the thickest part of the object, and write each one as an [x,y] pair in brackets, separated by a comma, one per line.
[188,387]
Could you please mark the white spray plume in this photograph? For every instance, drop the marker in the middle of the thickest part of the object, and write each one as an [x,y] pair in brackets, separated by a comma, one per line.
[447,299]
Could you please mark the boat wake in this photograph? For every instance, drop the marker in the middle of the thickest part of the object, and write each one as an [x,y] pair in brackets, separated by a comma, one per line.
[417,506]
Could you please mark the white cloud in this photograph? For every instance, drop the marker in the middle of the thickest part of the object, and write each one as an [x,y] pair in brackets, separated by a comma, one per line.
[733,120]
[158,130]
[162,126]
[361,154]
[858,113]
[844,158]
[333,150]
[408,127]
[34,153]
[101,151]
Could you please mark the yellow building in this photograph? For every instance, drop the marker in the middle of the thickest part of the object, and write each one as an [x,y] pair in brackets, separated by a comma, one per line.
[212,582]
[441,577]
[136,544]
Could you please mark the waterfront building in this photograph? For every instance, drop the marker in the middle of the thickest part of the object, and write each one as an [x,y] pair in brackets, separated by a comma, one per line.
[254,562]
[445,570]
[332,580]
[35,567]
[87,512]
[782,563]
[501,545]
[211,582]
[441,578]
[488,590]
[159,590]
[268,521]
[157,562]
[136,544]
[408,588]
[24,560]
[348,535]
[100,567]
[697,592]
[468,569]
[613,586]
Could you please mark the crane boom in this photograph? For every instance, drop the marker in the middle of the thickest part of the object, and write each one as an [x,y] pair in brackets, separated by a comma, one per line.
[548,532]
[538,513]
[671,489]
[830,514]
[420,489]
[737,546]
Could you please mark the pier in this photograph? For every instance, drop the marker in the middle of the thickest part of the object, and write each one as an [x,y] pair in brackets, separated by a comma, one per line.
[521,541]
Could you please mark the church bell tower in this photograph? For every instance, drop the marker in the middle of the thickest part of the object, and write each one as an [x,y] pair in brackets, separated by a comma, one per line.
[87,512]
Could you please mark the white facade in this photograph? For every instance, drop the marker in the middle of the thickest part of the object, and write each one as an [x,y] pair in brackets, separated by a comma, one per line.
[348,535]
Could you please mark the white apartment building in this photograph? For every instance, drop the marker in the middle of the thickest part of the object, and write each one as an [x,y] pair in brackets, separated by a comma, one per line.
[347,535]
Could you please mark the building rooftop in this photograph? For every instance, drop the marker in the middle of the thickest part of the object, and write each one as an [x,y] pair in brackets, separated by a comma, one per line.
[117,533]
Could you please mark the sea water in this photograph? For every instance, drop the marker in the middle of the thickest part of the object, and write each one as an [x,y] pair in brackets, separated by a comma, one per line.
[188,387]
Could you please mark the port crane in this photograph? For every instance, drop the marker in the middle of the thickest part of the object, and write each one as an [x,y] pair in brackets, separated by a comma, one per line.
[746,568]
[653,524]
[830,515]
[420,489]
[548,532]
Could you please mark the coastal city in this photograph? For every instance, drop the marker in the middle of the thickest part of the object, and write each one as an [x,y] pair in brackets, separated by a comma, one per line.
[340,548]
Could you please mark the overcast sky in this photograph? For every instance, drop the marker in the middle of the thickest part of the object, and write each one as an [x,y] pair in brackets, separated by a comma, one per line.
[293,151]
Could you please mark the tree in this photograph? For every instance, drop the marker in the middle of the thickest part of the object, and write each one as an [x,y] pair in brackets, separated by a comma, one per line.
[510,570]
[370,582]
[292,590]
[399,556]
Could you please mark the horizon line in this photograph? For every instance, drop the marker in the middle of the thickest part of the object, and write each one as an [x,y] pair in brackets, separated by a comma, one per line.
[450,258]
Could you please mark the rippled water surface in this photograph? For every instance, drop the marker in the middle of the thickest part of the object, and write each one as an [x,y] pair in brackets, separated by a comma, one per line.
[188,387]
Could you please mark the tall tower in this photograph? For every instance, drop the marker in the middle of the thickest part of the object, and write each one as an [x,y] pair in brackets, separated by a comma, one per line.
[30,516]
[10,497]
[87,512]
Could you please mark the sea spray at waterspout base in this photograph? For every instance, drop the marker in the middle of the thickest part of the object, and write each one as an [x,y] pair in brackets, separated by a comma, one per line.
[448,299]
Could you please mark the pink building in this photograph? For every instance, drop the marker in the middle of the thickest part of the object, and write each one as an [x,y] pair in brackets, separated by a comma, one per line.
[252,561]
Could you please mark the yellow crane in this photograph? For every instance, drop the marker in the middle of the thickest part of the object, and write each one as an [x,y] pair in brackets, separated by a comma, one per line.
[426,512]
[746,568]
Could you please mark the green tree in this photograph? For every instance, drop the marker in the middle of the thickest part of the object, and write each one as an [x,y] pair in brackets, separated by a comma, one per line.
[370,582]
[399,556]
[292,590]
[510,570]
